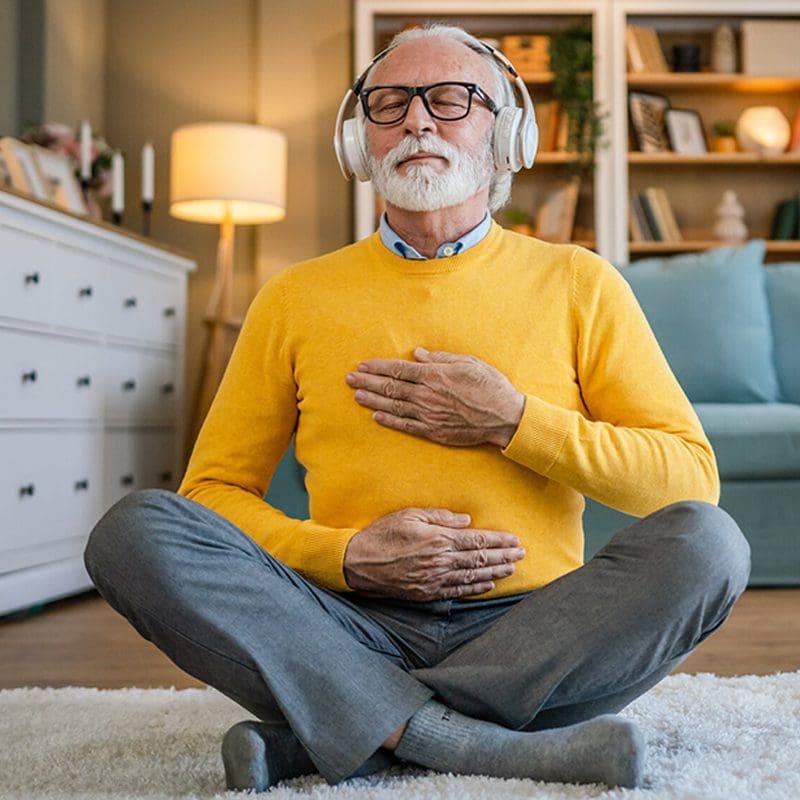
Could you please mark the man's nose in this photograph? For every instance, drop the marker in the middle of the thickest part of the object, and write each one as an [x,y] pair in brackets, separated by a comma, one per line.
[418,120]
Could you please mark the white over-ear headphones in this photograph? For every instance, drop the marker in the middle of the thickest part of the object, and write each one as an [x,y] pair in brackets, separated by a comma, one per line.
[514,139]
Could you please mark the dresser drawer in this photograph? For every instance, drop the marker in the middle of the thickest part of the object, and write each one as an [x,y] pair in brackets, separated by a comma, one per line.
[143,459]
[45,377]
[144,306]
[140,385]
[26,276]
[80,294]
[51,490]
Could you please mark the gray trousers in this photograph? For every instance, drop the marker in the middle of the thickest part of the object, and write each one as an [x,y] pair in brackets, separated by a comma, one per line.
[346,671]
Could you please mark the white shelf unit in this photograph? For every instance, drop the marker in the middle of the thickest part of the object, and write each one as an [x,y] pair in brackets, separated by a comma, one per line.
[616,167]
[92,340]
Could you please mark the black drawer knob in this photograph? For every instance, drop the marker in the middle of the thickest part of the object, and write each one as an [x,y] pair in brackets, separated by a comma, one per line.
[170,311]
[129,302]
[29,377]
[85,291]
[127,480]
[26,491]
[167,388]
[84,380]
[129,386]
[32,277]
[165,476]
[82,485]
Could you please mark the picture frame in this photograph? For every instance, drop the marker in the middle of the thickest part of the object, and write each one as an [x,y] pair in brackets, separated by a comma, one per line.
[23,168]
[648,121]
[63,186]
[685,131]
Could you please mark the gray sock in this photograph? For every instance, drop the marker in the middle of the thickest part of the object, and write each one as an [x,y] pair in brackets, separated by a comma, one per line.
[606,749]
[257,755]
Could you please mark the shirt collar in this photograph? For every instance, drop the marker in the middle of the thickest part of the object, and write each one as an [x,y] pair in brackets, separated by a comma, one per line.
[394,243]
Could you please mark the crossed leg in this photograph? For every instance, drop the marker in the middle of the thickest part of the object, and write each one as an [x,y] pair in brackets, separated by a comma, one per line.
[227,612]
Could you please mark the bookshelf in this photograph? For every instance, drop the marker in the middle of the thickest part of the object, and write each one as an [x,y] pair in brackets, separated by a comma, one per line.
[694,184]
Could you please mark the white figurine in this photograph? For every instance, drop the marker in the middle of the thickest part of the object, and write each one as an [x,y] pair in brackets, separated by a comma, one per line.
[730,225]
[723,50]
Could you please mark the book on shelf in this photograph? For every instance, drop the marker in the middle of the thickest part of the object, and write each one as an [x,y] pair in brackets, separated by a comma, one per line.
[640,230]
[794,142]
[769,47]
[651,218]
[643,50]
[547,114]
[555,218]
[665,216]
[786,221]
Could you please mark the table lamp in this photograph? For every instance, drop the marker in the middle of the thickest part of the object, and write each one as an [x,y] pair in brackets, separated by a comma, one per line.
[227,174]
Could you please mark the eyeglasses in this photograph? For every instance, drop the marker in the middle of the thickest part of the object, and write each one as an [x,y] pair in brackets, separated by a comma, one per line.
[386,105]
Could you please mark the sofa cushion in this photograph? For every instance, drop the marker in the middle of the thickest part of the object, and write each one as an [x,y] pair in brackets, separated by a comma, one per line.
[758,441]
[783,292]
[710,315]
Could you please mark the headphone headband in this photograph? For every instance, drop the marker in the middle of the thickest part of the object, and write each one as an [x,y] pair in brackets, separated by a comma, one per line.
[514,140]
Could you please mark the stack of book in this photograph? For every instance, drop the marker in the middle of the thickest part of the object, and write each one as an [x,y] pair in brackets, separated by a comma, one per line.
[651,218]
[786,222]
[553,124]
[644,51]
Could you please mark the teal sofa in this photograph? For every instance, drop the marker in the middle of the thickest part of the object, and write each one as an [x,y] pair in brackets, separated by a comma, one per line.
[730,328]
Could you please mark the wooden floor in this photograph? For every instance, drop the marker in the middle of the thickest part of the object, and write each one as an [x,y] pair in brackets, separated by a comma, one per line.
[82,642]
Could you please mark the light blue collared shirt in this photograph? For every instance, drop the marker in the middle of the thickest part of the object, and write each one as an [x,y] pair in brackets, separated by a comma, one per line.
[394,243]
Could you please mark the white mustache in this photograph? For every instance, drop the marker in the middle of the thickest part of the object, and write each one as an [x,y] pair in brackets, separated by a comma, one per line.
[412,145]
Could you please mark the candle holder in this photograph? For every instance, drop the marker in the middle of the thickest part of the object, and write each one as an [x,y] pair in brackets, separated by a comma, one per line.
[147,207]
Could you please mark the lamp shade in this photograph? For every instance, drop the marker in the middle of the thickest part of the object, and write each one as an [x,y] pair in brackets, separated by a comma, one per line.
[228,169]
[763,129]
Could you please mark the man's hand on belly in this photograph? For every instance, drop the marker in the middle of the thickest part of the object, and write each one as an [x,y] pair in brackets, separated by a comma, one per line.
[428,554]
[447,398]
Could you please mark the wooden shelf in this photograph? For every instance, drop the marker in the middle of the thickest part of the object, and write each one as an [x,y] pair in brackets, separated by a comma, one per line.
[714,80]
[536,78]
[554,157]
[689,246]
[710,159]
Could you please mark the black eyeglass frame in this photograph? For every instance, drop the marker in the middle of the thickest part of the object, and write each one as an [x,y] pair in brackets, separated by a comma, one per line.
[421,92]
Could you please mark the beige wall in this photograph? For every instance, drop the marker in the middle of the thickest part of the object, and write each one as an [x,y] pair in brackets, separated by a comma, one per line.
[74,64]
[8,67]
[284,64]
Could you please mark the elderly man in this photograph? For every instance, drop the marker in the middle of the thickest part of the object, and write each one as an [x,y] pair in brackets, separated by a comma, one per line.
[455,389]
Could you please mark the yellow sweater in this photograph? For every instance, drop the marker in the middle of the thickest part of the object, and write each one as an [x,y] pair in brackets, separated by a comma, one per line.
[604,416]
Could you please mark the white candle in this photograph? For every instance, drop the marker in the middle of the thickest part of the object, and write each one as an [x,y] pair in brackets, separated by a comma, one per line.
[117,183]
[86,151]
[148,172]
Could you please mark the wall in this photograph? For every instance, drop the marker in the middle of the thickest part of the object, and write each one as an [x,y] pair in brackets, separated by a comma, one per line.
[74,65]
[8,67]
[173,62]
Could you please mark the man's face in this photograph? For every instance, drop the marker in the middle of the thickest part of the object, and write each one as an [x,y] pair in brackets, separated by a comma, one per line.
[422,163]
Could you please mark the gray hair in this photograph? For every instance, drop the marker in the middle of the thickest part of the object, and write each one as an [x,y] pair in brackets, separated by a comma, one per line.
[503,94]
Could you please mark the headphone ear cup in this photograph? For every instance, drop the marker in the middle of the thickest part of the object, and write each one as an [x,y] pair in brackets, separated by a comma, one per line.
[529,140]
[354,148]
[507,157]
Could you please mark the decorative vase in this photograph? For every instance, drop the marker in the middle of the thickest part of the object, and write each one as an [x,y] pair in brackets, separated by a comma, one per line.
[730,225]
[723,50]
[723,144]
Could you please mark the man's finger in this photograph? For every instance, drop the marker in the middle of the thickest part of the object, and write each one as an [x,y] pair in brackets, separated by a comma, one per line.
[398,408]
[490,557]
[440,356]
[381,384]
[477,539]
[393,368]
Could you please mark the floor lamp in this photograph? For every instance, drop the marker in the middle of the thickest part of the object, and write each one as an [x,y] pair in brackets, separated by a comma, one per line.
[229,174]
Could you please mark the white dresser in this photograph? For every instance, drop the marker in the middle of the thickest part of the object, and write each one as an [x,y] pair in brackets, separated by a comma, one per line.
[92,336]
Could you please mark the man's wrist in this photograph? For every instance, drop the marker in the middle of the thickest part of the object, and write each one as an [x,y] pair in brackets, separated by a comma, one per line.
[504,434]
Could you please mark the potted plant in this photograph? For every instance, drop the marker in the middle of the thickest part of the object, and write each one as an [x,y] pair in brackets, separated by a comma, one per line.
[571,62]
[724,139]
[519,220]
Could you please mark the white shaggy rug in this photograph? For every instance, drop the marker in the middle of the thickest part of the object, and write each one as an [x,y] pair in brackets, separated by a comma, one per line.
[708,738]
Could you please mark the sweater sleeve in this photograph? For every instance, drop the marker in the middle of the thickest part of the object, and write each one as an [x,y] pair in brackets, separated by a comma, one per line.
[244,436]
[640,445]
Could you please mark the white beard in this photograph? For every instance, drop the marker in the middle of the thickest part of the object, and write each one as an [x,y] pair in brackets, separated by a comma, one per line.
[424,189]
